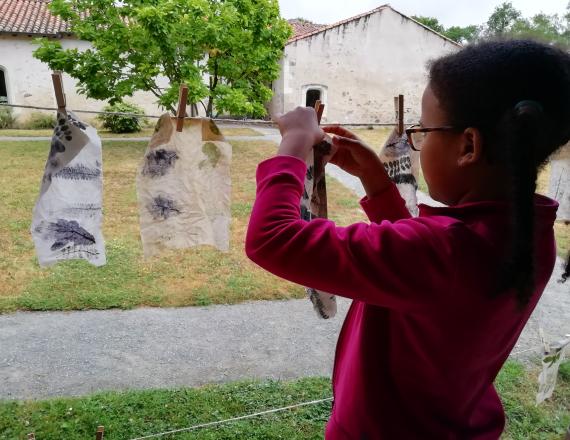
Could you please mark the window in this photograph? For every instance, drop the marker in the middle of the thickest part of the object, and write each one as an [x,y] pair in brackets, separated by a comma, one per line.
[313,95]
[3,88]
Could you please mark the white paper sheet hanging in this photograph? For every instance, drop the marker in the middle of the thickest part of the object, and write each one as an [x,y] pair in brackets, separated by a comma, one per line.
[314,205]
[184,187]
[403,166]
[67,216]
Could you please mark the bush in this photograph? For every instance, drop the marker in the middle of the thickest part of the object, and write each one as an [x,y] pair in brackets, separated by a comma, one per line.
[6,118]
[40,121]
[122,124]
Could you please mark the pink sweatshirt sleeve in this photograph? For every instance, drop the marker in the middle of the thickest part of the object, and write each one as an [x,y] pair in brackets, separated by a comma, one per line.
[396,264]
[386,206]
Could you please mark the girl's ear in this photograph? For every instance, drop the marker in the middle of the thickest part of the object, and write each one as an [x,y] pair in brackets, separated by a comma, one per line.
[471,147]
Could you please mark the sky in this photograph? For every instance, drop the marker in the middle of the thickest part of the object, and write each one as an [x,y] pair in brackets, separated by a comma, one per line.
[449,12]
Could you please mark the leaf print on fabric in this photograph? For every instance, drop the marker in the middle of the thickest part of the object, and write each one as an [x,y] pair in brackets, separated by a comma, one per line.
[66,232]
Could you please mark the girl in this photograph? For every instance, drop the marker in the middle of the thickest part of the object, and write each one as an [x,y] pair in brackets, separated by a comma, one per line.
[439,300]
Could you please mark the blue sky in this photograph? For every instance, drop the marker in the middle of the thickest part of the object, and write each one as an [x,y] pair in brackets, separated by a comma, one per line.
[449,12]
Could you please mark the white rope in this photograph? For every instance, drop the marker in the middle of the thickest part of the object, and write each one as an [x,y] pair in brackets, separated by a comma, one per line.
[230,121]
[134,115]
[204,425]
[314,402]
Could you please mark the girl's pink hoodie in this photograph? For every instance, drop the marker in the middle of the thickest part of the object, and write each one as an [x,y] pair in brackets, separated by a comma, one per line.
[425,335]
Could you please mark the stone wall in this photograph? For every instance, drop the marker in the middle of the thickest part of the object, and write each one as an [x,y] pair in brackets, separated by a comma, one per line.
[359,67]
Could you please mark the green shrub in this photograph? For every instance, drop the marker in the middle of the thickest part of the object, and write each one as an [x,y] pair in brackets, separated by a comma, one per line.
[6,118]
[40,121]
[122,124]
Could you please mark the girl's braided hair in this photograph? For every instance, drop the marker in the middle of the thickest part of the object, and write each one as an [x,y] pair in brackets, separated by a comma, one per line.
[517,93]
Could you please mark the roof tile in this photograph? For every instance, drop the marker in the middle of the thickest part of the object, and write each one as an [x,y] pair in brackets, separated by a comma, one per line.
[30,17]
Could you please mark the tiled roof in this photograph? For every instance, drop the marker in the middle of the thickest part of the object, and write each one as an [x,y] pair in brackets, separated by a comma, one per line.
[30,17]
[302,27]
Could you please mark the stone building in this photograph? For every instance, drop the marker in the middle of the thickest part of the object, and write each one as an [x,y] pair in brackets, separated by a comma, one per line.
[24,80]
[357,66]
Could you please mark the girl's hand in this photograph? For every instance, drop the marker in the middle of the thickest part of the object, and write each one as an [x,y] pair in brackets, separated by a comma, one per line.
[353,155]
[300,131]
[358,159]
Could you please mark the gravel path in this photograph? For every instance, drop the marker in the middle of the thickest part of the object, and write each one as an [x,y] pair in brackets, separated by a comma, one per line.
[57,354]
[76,353]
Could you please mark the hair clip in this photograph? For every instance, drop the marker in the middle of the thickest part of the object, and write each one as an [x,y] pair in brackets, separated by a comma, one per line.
[523,106]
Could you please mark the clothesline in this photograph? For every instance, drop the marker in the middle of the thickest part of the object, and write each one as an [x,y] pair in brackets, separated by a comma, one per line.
[224,120]
[219,422]
[271,411]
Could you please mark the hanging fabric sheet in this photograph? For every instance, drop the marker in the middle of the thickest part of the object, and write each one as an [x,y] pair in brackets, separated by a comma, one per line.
[184,187]
[67,216]
[403,166]
[313,206]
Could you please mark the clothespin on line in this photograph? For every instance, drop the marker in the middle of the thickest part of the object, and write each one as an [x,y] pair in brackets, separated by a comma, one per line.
[182,100]
[100,433]
[319,108]
[58,88]
[399,108]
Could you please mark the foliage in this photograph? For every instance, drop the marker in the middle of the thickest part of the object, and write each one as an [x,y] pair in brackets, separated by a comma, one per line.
[119,123]
[430,22]
[226,51]
[6,118]
[39,121]
[456,33]
[466,34]
[503,19]
[507,21]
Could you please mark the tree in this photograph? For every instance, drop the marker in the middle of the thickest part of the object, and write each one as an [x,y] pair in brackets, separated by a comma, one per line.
[226,51]
[467,34]
[430,22]
[456,33]
[508,21]
[503,19]
[544,27]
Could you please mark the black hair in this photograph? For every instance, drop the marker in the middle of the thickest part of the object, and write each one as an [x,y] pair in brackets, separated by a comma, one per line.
[517,93]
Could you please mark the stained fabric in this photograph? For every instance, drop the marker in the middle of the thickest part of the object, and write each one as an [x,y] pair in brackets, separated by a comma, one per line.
[313,206]
[184,187]
[403,166]
[67,216]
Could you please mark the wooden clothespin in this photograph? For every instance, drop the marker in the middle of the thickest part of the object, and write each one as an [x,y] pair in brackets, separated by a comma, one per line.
[100,433]
[31,436]
[319,108]
[182,100]
[58,88]
[399,107]
[319,183]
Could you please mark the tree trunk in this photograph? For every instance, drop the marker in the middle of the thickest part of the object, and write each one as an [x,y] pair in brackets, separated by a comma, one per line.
[213,85]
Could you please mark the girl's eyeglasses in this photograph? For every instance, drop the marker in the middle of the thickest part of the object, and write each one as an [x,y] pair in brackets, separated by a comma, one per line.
[416,134]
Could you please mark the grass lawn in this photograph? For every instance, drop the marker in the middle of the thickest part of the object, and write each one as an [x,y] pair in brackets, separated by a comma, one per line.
[131,414]
[146,132]
[199,276]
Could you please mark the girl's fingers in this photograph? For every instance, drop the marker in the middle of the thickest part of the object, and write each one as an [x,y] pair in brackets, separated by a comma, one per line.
[340,131]
[341,141]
